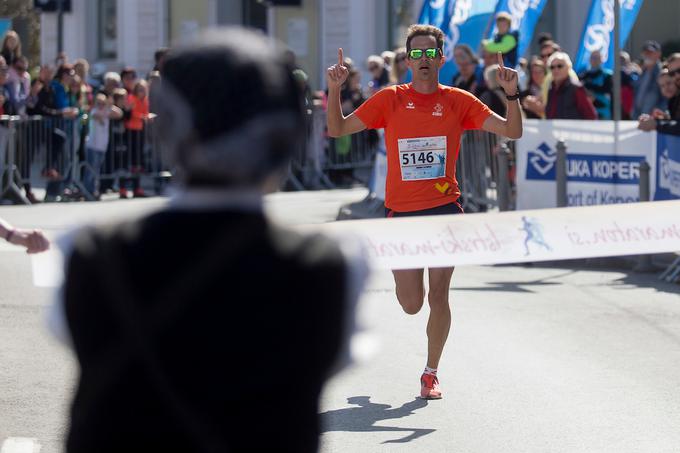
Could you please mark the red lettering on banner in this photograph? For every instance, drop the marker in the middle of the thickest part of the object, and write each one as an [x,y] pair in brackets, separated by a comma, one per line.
[450,243]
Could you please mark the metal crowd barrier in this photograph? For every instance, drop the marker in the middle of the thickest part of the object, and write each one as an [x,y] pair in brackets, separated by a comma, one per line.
[51,152]
[483,183]
[322,156]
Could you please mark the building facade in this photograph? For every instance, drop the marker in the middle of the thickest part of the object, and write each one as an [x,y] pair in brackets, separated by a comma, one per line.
[119,33]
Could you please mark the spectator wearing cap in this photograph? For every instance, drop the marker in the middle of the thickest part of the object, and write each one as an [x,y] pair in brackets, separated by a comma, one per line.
[567,100]
[599,83]
[647,93]
[505,41]
[669,124]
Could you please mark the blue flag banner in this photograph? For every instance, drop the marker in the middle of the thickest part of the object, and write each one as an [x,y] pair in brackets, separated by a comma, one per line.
[434,12]
[598,33]
[525,15]
[467,23]
[5,24]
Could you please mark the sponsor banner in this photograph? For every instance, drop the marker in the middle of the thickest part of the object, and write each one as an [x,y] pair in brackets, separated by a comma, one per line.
[525,15]
[667,167]
[515,237]
[596,174]
[598,33]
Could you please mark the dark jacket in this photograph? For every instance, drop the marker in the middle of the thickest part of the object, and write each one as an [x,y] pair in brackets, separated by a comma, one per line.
[568,101]
[215,343]
[671,126]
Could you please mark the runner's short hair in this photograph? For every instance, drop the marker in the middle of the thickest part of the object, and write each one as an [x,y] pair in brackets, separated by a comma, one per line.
[424,30]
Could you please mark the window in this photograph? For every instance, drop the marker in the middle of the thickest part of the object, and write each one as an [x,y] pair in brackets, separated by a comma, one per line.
[107,30]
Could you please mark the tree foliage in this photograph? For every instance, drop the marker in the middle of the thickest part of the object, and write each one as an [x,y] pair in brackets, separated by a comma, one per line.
[26,21]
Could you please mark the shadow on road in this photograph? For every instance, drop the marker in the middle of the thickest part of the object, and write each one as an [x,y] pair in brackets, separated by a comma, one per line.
[363,417]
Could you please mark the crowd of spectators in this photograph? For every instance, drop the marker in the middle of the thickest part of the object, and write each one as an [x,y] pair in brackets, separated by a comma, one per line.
[64,94]
[549,86]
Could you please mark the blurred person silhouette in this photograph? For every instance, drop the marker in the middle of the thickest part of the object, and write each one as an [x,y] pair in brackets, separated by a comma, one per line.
[648,95]
[470,75]
[388,58]
[531,98]
[668,123]
[128,78]
[111,81]
[11,47]
[598,81]
[399,70]
[668,90]
[380,75]
[206,327]
[493,95]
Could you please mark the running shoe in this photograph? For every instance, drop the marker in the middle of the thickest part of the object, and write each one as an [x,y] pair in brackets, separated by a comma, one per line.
[429,387]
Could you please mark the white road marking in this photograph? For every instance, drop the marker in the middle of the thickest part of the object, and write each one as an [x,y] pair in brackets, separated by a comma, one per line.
[20,445]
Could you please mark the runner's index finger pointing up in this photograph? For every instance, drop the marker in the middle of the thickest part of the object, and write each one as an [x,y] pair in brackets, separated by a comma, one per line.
[341,59]
[500,60]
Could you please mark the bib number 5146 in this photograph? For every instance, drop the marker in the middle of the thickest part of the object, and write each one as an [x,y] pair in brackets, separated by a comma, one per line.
[425,157]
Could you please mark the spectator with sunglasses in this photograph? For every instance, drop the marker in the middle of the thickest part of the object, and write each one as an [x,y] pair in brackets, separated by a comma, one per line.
[567,100]
[671,123]
[421,176]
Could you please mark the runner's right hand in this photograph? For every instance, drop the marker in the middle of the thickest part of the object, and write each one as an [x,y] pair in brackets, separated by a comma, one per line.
[337,74]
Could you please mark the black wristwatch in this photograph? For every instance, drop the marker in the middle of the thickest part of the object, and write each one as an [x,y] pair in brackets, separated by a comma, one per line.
[514,97]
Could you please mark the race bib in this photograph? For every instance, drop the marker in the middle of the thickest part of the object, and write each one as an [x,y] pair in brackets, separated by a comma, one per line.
[422,158]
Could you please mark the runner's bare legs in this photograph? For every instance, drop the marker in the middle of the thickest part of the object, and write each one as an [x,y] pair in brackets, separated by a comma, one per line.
[439,323]
[411,294]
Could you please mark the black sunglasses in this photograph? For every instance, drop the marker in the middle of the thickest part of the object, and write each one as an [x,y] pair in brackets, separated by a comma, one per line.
[674,72]
[556,66]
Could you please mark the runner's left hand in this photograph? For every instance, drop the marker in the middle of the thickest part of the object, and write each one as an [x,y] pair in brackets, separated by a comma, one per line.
[506,77]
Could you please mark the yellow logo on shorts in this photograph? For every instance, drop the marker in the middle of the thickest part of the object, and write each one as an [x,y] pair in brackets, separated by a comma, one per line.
[442,187]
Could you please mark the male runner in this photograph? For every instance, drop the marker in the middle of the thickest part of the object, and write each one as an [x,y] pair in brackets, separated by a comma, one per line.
[423,122]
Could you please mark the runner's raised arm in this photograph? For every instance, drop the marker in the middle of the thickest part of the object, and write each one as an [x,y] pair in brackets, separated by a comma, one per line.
[338,124]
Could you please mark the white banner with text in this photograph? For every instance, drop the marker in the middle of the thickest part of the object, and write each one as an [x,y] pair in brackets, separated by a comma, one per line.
[516,236]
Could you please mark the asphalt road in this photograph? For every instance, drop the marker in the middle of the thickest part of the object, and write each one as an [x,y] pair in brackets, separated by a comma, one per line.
[540,359]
